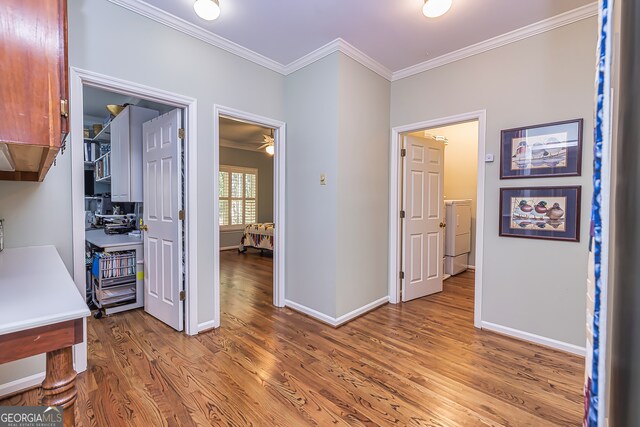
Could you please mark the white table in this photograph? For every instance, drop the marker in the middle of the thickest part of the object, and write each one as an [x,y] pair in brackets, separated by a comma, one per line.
[41,311]
[102,240]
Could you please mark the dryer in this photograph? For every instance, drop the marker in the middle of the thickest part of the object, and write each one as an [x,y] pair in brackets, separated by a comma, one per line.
[457,243]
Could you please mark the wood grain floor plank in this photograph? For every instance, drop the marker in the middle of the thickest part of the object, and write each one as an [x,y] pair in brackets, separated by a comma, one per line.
[420,363]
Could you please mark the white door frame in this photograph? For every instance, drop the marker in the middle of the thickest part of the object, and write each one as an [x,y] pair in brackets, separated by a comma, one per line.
[395,203]
[77,79]
[278,202]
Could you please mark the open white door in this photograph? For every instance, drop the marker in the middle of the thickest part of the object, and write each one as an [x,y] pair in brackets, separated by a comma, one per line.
[423,224]
[162,160]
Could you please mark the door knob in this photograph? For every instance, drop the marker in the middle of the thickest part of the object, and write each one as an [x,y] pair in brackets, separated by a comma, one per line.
[443,225]
[144,227]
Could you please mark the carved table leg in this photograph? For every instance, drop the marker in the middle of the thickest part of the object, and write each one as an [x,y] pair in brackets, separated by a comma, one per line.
[59,385]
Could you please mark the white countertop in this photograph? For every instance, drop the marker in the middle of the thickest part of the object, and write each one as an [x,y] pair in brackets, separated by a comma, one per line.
[36,290]
[103,240]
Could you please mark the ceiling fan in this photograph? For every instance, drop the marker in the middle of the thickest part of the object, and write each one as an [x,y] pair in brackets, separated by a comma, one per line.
[268,144]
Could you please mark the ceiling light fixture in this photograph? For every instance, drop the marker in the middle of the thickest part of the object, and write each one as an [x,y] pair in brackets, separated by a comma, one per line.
[268,143]
[440,138]
[435,8]
[208,10]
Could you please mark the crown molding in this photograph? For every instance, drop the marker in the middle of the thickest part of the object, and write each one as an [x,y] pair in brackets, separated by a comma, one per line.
[339,45]
[142,8]
[534,29]
[311,57]
[359,56]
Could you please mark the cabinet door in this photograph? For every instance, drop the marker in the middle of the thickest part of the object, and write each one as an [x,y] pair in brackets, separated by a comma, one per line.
[34,81]
[120,158]
[137,117]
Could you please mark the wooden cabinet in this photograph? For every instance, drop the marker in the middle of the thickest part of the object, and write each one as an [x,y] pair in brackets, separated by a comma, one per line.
[33,85]
[126,153]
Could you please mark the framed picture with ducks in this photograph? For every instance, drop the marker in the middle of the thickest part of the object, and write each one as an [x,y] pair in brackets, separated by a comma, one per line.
[551,213]
[539,151]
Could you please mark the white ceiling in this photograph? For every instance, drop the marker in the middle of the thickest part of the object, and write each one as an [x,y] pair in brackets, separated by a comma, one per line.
[238,134]
[392,32]
[95,101]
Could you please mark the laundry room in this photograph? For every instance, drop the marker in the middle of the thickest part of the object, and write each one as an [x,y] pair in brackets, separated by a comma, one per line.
[460,193]
[440,175]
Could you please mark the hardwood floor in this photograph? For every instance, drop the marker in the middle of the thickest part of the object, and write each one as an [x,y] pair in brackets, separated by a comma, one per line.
[419,363]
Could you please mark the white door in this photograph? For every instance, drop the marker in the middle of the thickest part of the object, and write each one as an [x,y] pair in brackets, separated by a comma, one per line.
[423,225]
[162,194]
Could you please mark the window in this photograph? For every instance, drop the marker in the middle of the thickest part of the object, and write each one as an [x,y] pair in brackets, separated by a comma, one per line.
[238,196]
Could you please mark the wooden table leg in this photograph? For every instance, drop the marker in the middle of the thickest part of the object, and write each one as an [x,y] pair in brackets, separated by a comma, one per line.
[59,385]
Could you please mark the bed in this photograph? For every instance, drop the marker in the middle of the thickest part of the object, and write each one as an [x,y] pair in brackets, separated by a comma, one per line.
[259,236]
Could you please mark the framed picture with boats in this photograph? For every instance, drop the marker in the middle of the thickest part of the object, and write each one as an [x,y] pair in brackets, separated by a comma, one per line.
[547,150]
[551,213]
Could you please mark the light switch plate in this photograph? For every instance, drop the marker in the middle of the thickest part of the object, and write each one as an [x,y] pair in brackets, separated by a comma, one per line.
[488,158]
[323,179]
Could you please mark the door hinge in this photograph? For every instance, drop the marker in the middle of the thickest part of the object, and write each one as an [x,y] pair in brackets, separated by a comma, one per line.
[183,296]
[403,152]
[181,133]
[64,108]
[181,214]
[401,275]
[402,214]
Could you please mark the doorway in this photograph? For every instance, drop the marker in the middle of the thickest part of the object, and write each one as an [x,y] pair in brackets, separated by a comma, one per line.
[81,81]
[266,237]
[419,165]
[127,141]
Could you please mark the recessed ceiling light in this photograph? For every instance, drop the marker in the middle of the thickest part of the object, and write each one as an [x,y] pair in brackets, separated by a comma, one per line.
[435,8]
[208,10]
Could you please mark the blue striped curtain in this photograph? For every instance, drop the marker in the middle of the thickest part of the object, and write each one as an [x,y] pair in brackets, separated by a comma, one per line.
[595,335]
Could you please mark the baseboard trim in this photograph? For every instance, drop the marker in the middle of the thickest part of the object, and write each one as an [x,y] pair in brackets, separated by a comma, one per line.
[228,248]
[20,385]
[310,312]
[206,326]
[336,321]
[361,311]
[537,339]
[471,267]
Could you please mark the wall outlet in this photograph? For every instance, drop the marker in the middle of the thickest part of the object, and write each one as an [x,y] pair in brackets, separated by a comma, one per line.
[323,179]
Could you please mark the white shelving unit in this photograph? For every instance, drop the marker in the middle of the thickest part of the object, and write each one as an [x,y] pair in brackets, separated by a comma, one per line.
[105,134]
[103,168]
[115,294]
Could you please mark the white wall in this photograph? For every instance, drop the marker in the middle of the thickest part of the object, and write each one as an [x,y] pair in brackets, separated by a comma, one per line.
[311,105]
[337,244]
[461,169]
[149,53]
[541,79]
[363,187]
[111,40]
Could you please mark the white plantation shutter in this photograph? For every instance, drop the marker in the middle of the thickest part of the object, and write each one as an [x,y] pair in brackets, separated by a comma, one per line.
[238,196]
[224,212]
[250,195]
